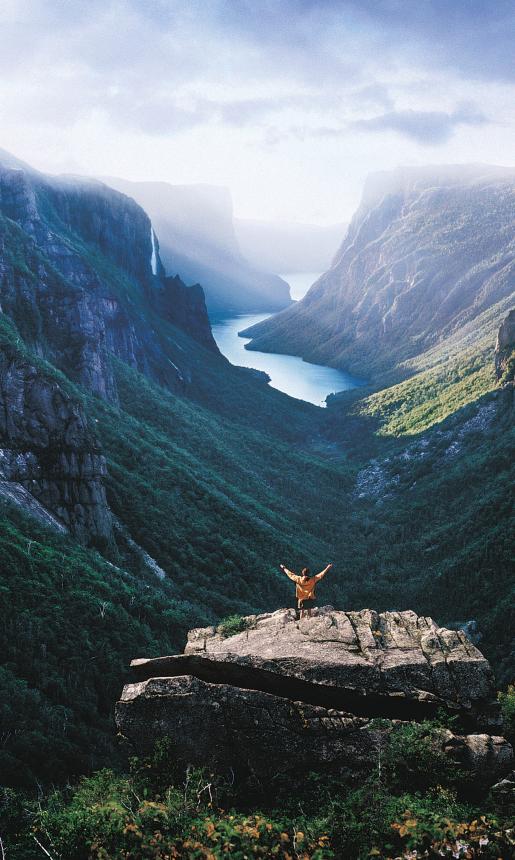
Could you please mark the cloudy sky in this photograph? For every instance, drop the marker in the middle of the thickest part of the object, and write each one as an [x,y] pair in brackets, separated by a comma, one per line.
[290,103]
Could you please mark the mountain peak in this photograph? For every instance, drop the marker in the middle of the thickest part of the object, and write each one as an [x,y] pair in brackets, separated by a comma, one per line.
[406,178]
[7,159]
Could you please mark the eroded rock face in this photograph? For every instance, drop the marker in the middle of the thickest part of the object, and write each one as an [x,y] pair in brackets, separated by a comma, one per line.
[50,462]
[427,251]
[58,250]
[307,694]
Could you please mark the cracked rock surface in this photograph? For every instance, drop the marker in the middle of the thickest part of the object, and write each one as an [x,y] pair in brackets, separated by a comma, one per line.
[283,694]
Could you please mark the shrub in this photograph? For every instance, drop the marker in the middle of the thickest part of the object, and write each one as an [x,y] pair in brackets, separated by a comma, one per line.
[232,625]
[507,701]
[430,833]
[157,812]
[106,819]
[373,822]
[414,757]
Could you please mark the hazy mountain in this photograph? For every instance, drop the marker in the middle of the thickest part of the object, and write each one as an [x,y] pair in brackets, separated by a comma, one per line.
[427,251]
[198,242]
[285,246]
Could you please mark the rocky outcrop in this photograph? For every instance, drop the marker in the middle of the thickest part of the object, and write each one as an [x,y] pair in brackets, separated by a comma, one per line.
[284,695]
[505,349]
[50,462]
[427,252]
[185,307]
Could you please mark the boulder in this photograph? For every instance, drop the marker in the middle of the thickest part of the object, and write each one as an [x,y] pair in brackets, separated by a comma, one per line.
[321,693]
[375,664]
[488,756]
[504,790]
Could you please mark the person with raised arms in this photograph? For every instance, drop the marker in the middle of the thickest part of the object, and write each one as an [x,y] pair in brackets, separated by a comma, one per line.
[305,588]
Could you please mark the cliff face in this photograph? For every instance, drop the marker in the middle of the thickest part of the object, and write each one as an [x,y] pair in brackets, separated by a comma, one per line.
[283,696]
[113,223]
[426,252]
[77,278]
[186,307]
[50,461]
[83,284]
[198,242]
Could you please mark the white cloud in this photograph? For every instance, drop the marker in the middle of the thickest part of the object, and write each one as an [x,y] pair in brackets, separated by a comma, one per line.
[277,101]
[431,128]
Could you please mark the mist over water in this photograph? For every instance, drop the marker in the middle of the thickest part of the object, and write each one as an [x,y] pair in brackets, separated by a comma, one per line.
[288,373]
[300,283]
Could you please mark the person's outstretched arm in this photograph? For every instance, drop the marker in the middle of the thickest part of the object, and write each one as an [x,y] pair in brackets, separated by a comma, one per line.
[323,572]
[289,573]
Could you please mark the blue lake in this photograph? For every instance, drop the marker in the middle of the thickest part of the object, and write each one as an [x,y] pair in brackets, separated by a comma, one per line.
[290,374]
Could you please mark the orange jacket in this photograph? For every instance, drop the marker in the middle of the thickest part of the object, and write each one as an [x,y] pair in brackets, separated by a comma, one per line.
[305,588]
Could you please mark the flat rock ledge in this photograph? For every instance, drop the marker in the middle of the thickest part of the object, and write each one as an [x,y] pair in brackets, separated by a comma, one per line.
[318,694]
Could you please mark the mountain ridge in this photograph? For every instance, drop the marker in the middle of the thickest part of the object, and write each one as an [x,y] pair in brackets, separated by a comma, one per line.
[413,267]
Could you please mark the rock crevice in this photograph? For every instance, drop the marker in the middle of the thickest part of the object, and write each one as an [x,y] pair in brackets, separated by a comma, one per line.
[394,705]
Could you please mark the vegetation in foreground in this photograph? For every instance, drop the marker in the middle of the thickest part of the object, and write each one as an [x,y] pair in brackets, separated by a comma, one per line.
[416,804]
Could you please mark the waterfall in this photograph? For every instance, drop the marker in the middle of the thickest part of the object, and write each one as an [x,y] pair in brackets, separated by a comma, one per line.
[153,259]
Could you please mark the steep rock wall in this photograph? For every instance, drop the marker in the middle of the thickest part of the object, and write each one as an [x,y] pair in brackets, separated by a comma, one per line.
[48,453]
[426,252]
[77,279]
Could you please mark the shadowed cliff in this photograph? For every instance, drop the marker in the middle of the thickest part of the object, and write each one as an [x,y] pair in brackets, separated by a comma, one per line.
[198,242]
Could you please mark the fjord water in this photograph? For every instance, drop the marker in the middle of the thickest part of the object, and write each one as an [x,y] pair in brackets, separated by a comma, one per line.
[288,373]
